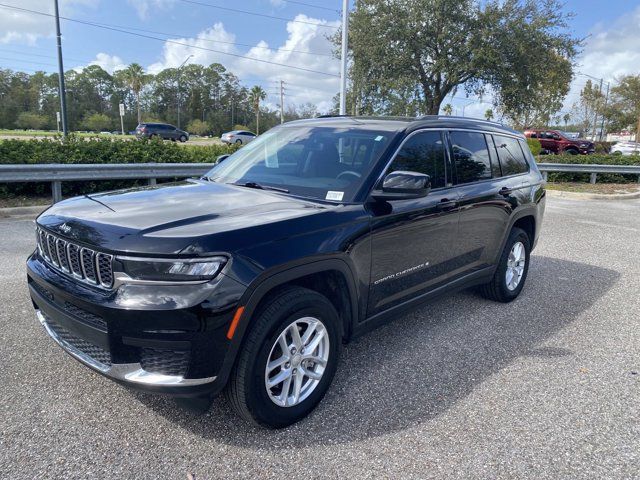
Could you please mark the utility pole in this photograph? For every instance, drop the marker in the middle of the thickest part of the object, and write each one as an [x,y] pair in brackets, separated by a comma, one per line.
[63,98]
[343,69]
[179,95]
[595,120]
[604,111]
[281,101]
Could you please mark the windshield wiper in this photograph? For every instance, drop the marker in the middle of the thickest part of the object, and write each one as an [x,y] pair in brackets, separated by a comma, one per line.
[260,187]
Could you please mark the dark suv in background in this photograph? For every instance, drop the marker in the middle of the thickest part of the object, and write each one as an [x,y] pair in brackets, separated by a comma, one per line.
[251,278]
[162,130]
[555,141]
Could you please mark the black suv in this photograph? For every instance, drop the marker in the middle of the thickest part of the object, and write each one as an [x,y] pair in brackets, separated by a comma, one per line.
[161,130]
[250,278]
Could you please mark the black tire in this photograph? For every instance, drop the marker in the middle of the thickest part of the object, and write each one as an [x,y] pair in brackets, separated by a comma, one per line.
[183,138]
[246,390]
[572,151]
[238,142]
[497,289]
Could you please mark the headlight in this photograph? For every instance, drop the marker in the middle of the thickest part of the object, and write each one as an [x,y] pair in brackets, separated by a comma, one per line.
[157,269]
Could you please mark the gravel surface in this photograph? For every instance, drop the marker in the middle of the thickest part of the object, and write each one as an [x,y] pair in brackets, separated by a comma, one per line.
[546,387]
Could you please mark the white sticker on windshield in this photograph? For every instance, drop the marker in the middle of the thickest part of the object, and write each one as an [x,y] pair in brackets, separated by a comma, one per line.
[379,137]
[334,196]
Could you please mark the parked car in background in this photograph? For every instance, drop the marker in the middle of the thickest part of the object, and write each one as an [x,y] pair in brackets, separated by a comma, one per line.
[162,130]
[626,148]
[240,137]
[557,142]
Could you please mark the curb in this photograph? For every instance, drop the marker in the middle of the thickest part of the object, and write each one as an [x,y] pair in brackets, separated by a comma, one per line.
[593,196]
[23,211]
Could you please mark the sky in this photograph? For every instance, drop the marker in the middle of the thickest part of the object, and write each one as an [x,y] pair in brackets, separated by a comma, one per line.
[280,33]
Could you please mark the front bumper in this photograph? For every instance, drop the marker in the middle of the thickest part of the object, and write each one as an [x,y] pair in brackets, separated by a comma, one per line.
[164,339]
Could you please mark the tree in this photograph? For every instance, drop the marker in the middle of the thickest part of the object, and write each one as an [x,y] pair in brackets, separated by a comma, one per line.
[31,120]
[488,114]
[587,108]
[448,109]
[135,78]
[566,119]
[625,108]
[198,127]
[256,95]
[96,122]
[420,51]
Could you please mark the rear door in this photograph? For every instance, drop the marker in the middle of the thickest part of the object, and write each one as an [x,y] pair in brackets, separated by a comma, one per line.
[413,247]
[491,178]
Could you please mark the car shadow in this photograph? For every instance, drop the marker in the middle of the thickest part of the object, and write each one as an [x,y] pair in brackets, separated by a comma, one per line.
[410,371]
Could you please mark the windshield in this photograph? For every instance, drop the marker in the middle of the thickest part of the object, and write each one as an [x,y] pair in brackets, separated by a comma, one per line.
[326,163]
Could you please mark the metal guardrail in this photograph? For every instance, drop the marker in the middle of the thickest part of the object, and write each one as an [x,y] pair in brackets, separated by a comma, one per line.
[593,170]
[56,173]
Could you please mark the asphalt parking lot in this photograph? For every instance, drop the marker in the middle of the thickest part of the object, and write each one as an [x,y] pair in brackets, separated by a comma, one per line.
[546,387]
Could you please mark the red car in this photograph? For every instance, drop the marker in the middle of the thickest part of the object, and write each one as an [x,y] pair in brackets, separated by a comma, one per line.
[557,142]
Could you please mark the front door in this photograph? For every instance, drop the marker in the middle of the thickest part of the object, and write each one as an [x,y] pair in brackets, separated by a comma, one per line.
[413,242]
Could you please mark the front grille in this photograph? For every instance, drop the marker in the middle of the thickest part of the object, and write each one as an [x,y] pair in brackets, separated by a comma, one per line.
[97,353]
[94,268]
[164,361]
[86,317]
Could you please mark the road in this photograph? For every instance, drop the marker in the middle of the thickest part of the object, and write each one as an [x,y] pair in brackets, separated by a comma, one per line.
[546,387]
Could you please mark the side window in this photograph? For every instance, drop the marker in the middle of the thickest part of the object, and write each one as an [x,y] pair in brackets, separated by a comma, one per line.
[424,153]
[512,159]
[471,156]
[493,154]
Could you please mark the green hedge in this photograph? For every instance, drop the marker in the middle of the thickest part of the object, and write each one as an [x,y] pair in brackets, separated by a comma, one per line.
[534,145]
[97,150]
[600,159]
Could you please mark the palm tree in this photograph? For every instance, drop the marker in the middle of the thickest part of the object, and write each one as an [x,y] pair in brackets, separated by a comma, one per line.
[488,114]
[447,109]
[256,95]
[135,78]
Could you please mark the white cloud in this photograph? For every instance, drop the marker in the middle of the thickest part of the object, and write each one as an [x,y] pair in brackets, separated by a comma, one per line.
[25,27]
[145,7]
[610,51]
[110,63]
[300,86]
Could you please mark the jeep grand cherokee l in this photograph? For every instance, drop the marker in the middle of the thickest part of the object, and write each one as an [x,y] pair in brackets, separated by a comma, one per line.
[250,278]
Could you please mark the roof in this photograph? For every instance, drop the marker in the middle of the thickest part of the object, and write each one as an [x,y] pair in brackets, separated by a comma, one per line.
[407,123]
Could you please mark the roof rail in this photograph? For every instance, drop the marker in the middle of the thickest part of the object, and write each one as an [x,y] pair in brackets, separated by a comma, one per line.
[457,117]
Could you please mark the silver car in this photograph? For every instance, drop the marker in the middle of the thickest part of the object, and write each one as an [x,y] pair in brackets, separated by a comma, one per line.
[626,148]
[240,137]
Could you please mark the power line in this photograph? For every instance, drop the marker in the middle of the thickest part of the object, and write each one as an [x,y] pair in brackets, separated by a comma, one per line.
[97,25]
[42,56]
[311,5]
[256,14]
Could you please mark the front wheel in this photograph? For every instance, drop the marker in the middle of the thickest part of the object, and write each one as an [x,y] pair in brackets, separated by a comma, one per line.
[182,138]
[288,359]
[238,142]
[511,273]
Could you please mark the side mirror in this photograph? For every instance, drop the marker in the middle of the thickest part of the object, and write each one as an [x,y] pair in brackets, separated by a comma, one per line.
[221,158]
[402,185]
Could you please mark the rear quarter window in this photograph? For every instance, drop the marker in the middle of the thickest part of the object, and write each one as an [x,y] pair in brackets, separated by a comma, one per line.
[511,155]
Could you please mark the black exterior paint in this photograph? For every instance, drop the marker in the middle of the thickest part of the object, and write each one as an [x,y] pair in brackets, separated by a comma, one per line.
[391,255]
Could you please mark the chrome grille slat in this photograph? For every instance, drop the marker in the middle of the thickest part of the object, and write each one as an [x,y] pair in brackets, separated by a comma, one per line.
[85,264]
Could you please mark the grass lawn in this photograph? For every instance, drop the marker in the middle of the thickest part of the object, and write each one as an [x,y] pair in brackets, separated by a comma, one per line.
[607,188]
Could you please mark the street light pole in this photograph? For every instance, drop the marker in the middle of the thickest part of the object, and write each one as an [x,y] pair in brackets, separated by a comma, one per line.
[343,69]
[179,96]
[63,98]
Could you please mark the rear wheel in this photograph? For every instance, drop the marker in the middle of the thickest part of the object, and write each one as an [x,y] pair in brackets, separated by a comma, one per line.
[288,359]
[511,273]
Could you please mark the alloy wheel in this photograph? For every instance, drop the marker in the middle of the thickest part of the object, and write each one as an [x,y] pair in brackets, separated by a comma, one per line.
[515,265]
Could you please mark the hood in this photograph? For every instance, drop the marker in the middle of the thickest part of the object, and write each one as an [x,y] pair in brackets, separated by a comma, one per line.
[174,218]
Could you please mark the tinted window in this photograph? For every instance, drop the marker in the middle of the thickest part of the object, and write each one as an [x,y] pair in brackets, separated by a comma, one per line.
[495,164]
[423,153]
[511,157]
[471,156]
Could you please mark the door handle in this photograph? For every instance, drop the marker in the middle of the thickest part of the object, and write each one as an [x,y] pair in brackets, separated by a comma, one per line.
[446,204]
[505,191]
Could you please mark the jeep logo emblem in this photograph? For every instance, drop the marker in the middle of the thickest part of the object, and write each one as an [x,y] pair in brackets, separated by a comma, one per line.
[65,228]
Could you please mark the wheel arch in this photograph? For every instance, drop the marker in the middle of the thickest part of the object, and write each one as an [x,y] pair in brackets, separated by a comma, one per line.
[333,278]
